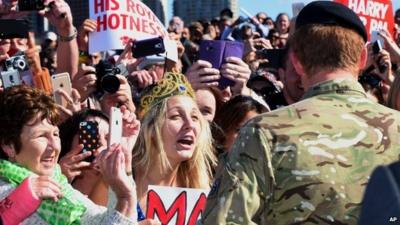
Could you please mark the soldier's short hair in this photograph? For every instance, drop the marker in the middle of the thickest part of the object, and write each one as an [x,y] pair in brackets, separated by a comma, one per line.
[328,36]
[327,48]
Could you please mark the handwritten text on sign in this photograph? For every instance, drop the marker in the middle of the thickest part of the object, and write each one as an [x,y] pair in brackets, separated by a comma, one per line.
[175,206]
[117,19]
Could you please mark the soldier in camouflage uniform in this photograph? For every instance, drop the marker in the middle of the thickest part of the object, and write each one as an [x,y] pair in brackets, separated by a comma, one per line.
[309,163]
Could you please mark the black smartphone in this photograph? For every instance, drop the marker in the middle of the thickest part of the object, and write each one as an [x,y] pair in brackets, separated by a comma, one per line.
[152,46]
[10,28]
[89,137]
[274,57]
[30,5]
[376,47]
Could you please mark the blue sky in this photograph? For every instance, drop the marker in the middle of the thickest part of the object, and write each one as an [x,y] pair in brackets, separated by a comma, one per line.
[272,7]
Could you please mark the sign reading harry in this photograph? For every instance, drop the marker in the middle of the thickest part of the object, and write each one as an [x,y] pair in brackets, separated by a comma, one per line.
[175,206]
[375,14]
[118,20]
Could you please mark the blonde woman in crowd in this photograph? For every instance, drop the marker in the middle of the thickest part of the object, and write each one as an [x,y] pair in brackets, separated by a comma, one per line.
[174,144]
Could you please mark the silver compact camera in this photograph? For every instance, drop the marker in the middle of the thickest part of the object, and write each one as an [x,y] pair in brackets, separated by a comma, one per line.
[14,68]
[18,62]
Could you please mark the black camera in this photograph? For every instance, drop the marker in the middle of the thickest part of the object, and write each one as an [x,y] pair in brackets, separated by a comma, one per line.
[30,5]
[264,83]
[10,28]
[274,57]
[371,79]
[106,76]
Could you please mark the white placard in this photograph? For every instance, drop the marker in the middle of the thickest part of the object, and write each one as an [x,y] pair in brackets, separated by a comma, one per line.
[175,206]
[119,20]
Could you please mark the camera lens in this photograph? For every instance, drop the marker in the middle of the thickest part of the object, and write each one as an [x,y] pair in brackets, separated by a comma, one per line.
[20,64]
[110,83]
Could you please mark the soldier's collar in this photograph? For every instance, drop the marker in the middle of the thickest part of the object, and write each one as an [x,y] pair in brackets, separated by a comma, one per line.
[339,86]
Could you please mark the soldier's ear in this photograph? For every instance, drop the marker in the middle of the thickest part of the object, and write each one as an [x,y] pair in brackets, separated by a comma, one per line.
[363,59]
[296,64]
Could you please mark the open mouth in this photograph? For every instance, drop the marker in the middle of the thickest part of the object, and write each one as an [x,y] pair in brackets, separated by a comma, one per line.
[186,142]
[48,160]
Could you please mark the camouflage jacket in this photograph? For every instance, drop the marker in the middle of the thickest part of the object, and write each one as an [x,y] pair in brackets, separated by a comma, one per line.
[307,163]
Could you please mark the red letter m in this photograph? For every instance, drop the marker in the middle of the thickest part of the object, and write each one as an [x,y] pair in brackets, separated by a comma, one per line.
[156,206]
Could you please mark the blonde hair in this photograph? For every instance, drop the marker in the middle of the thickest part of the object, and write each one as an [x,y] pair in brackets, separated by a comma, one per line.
[193,173]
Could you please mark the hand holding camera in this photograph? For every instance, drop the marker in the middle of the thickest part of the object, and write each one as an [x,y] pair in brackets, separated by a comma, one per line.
[85,81]
[59,16]
[383,63]
[390,46]
[73,103]
[123,96]
[377,48]
[9,10]
[143,78]
[13,66]
[74,162]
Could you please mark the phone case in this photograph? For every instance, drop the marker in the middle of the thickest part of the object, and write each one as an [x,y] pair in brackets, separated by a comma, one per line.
[115,133]
[10,78]
[212,51]
[61,81]
[89,137]
[232,49]
[148,47]
[375,37]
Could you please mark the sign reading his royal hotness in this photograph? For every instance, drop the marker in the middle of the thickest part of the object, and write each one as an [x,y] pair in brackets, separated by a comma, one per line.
[119,20]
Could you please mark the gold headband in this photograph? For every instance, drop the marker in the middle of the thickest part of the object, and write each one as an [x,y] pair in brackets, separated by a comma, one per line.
[171,84]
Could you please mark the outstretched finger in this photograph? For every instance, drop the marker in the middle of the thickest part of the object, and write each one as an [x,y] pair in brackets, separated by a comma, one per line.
[127,53]
[80,165]
[81,156]
[65,95]
[75,95]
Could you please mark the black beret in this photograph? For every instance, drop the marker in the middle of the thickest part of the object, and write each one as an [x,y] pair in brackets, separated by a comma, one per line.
[330,13]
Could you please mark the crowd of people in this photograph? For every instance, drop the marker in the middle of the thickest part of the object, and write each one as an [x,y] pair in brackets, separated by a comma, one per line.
[310,111]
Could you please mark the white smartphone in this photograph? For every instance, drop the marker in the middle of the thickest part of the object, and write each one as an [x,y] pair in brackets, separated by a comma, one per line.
[115,134]
[61,81]
[375,36]
[10,78]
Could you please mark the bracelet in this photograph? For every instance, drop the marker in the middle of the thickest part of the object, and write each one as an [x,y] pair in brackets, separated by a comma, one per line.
[68,38]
